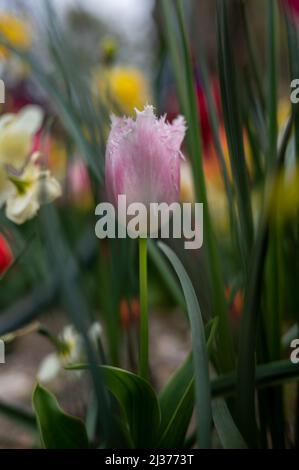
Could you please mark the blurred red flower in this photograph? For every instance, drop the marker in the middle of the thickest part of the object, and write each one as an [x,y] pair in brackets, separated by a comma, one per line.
[293,5]
[206,129]
[172,107]
[129,312]
[6,256]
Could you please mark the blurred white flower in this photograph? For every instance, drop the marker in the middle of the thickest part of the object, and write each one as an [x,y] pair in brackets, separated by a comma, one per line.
[16,134]
[5,186]
[33,188]
[70,350]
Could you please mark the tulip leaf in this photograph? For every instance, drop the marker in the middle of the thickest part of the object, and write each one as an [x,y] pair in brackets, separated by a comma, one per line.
[139,403]
[200,355]
[58,430]
[137,400]
[177,403]
[177,398]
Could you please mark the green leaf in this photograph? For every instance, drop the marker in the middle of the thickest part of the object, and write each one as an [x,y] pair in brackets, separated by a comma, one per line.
[249,322]
[229,435]
[165,272]
[266,375]
[179,48]
[233,126]
[293,49]
[177,398]
[254,58]
[200,355]
[137,400]
[58,430]
[65,268]
[177,403]
[272,52]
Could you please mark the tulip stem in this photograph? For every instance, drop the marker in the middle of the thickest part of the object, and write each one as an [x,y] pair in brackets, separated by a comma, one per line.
[143,351]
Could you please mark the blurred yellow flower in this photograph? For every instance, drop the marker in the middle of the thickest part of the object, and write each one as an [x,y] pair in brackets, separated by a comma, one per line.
[217,199]
[57,158]
[16,31]
[284,203]
[122,88]
[187,193]
[283,112]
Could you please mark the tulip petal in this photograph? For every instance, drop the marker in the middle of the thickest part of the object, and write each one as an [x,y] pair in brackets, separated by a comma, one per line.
[143,158]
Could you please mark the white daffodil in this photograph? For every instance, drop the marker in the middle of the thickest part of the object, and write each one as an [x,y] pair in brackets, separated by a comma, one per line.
[70,350]
[16,134]
[33,188]
[6,186]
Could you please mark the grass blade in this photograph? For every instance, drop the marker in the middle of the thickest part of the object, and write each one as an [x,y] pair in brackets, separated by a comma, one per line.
[200,355]
[232,120]
[227,430]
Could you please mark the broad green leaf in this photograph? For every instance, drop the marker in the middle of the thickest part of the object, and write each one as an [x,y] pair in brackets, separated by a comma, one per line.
[200,355]
[177,403]
[58,430]
[139,403]
[137,400]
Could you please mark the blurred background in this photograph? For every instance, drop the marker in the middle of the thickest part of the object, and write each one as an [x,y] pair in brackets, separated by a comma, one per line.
[80,61]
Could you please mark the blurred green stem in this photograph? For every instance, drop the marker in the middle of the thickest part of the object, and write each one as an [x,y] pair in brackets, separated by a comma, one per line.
[143,353]
[272,81]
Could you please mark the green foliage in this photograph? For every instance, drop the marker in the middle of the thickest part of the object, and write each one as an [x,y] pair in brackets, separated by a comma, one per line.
[57,429]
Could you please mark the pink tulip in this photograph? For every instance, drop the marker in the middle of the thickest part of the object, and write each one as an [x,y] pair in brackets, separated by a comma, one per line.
[143,158]
[78,178]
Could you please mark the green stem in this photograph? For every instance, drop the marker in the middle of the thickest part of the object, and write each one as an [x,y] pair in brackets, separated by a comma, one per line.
[143,352]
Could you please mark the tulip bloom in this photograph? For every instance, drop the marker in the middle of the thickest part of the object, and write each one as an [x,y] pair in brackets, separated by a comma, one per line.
[143,158]
[143,164]
[6,256]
